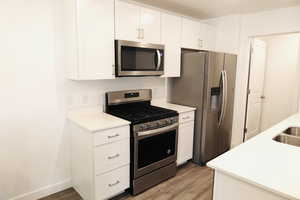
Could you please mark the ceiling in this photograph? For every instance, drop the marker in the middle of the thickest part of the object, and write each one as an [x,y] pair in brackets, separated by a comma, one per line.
[204,9]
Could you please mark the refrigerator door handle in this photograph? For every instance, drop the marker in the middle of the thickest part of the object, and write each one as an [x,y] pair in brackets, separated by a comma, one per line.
[224,96]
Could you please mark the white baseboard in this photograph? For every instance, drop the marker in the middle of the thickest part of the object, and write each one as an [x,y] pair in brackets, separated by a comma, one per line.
[45,191]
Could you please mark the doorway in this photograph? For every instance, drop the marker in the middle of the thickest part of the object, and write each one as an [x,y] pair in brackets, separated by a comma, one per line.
[273,85]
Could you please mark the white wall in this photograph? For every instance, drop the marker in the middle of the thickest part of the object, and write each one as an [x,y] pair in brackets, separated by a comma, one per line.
[281,86]
[277,21]
[35,96]
[227,33]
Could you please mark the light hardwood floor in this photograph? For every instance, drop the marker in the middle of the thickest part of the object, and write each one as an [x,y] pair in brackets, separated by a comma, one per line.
[192,182]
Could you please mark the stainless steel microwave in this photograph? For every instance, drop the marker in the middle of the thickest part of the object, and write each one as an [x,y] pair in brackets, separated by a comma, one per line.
[139,59]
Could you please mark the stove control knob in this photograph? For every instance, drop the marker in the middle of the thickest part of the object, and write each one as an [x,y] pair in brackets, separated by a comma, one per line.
[168,121]
[162,123]
[143,127]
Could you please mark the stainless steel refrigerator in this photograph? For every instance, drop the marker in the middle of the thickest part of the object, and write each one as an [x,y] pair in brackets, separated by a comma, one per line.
[207,82]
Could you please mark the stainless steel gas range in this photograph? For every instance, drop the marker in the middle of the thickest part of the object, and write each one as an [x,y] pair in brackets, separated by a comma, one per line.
[154,134]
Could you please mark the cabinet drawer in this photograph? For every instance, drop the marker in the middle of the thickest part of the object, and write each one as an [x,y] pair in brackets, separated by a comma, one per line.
[186,117]
[111,135]
[112,183]
[112,156]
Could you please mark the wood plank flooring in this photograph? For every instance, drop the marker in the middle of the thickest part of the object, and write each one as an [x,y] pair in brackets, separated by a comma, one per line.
[192,182]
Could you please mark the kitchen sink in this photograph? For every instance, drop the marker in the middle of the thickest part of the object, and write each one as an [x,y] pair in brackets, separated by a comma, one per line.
[294,131]
[288,139]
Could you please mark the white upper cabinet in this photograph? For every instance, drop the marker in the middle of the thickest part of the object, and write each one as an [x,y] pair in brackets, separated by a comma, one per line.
[150,26]
[90,39]
[171,38]
[196,35]
[190,34]
[208,37]
[135,23]
[127,21]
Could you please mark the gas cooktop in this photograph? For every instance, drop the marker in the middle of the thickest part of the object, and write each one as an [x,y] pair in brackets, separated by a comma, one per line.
[140,112]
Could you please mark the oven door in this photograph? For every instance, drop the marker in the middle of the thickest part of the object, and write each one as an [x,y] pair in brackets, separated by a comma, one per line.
[139,59]
[155,149]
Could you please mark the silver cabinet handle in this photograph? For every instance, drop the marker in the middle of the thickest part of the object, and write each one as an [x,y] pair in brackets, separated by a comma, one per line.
[186,117]
[262,97]
[113,184]
[139,33]
[200,43]
[143,33]
[113,136]
[158,60]
[113,157]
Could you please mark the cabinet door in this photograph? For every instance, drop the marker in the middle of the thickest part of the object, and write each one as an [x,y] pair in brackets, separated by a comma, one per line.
[171,38]
[190,34]
[185,142]
[127,21]
[151,26]
[95,34]
[207,37]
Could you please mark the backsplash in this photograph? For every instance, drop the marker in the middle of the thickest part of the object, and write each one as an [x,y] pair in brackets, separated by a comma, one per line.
[92,93]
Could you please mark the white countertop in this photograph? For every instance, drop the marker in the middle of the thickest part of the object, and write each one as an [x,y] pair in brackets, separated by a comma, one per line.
[178,108]
[93,119]
[265,163]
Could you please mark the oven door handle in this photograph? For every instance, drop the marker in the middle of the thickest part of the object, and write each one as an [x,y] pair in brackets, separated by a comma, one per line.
[159,130]
[158,60]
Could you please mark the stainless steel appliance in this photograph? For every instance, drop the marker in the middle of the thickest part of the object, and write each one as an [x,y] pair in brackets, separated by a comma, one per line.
[138,59]
[154,133]
[207,82]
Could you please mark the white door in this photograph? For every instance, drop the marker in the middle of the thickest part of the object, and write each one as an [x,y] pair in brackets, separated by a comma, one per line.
[150,26]
[256,87]
[127,21]
[190,34]
[171,38]
[281,80]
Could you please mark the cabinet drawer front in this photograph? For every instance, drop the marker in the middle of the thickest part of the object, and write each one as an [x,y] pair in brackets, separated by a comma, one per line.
[112,183]
[112,156]
[111,135]
[186,117]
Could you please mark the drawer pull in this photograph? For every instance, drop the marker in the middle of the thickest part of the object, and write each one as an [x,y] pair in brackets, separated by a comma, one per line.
[186,117]
[113,184]
[113,157]
[112,136]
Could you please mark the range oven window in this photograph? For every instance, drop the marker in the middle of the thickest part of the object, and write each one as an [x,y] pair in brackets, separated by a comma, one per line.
[141,59]
[156,148]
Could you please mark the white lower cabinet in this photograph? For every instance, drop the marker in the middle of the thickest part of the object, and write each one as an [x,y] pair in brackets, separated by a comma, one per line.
[109,184]
[100,162]
[185,137]
[109,157]
[227,187]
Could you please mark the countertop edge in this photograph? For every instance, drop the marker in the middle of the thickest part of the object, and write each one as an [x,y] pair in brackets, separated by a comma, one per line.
[246,180]
[125,123]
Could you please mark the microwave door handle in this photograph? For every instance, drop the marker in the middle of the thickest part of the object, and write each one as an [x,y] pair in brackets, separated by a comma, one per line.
[158,60]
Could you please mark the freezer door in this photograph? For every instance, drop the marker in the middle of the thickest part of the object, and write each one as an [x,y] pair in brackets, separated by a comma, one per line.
[226,125]
[209,142]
